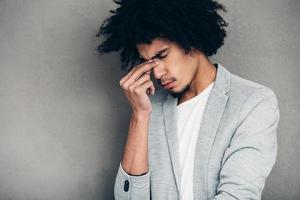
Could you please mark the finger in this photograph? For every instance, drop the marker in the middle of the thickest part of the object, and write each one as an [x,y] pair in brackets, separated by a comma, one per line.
[148,85]
[145,77]
[148,72]
[152,89]
[143,69]
[137,73]
[126,77]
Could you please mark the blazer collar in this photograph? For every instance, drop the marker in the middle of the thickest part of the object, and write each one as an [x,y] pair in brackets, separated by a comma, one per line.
[210,121]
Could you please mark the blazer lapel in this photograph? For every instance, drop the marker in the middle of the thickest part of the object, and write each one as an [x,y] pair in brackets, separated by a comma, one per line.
[212,115]
[170,121]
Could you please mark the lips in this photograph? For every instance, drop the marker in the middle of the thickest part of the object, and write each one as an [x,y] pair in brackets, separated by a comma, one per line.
[168,84]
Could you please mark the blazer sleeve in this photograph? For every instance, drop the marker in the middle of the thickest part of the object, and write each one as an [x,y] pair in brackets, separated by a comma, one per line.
[131,187]
[250,157]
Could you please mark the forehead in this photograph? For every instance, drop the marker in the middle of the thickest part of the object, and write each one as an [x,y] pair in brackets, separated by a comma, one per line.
[149,50]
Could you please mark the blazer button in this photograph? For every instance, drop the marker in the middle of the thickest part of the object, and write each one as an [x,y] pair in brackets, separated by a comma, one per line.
[126,185]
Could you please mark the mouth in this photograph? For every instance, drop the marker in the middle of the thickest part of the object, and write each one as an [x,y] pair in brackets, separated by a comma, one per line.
[167,85]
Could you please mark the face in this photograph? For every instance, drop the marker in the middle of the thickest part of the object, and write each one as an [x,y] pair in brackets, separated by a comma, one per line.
[175,66]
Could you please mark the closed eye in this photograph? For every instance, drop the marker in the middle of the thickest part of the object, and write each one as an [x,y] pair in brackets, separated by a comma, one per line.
[162,57]
[158,56]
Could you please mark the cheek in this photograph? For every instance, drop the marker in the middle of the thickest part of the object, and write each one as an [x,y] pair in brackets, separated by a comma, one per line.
[185,73]
[179,74]
[175,66]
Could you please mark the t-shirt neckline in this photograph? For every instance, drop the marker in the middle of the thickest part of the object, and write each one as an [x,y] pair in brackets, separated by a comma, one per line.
[197,97]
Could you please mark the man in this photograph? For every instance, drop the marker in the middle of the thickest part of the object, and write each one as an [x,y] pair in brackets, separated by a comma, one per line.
[208,134]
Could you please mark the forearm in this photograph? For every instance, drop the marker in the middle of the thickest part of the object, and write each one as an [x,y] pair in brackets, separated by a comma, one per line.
[135,157]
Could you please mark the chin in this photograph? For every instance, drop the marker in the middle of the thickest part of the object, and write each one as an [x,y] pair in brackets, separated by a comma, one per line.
[179,93]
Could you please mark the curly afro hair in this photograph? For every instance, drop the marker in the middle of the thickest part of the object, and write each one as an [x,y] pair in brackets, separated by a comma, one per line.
[189,23]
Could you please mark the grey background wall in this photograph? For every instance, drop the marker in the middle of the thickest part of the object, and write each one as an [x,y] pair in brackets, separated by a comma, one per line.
[64,118]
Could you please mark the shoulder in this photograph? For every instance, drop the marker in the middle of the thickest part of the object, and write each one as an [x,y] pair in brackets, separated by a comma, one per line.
[249,89]
[252,95]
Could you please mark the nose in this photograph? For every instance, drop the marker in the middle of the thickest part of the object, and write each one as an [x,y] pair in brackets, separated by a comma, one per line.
[158,71]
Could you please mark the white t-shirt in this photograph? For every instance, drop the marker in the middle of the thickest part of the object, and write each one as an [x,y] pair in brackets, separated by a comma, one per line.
[189,115]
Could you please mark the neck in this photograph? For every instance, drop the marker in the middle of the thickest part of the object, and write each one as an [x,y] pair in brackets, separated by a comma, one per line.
[205,74]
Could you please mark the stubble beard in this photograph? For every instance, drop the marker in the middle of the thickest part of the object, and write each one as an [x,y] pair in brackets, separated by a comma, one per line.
[179,93]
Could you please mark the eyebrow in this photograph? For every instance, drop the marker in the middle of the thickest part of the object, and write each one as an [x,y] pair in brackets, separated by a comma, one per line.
[157,54]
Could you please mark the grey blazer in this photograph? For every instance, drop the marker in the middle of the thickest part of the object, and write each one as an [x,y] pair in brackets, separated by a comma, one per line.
[236,147]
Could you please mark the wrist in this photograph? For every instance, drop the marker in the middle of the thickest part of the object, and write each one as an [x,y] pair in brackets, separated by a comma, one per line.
[141,115]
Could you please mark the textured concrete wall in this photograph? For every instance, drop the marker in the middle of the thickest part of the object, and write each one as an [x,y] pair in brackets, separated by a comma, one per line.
[64,119]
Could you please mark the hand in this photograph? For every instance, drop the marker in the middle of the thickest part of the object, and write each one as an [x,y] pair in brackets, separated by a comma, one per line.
[138,85]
